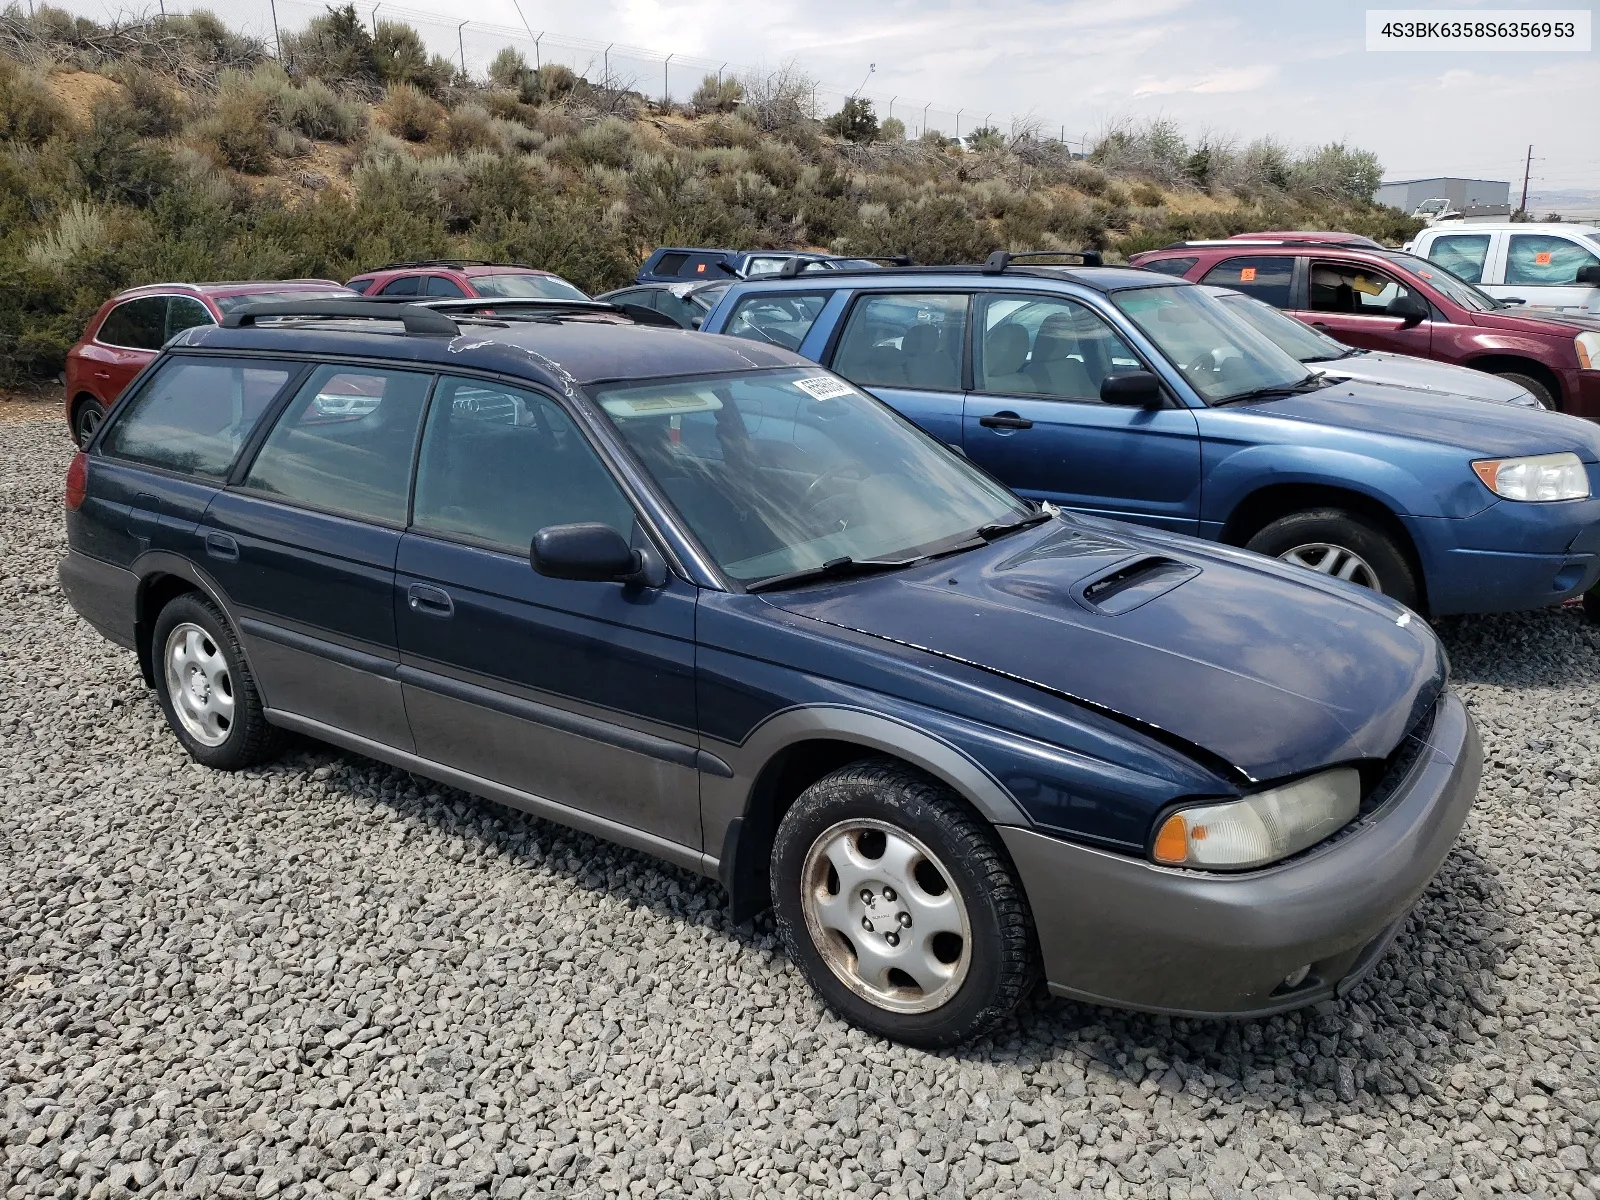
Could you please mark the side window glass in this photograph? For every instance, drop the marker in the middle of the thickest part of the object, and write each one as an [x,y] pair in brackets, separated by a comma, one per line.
[438,285]
[909,341]
[498,464]
[702,267]
[1346,288]
[185,312]
[406,285]
[345,442]
[1541,258]
[1171,266]
[1056,349]
[779,318]
[195,414]
[137,324]
[1461,254]
[1266,278]
[671,264]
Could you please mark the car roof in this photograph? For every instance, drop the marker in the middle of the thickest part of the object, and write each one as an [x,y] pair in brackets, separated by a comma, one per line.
[1100,279]
[555,352]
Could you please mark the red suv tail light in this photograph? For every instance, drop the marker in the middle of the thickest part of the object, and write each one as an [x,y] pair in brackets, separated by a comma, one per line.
[77,480]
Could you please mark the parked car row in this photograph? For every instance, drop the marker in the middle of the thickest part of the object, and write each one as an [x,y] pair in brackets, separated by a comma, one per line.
[709,599]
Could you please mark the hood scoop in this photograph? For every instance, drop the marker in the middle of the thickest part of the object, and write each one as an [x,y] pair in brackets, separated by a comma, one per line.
[1127,586]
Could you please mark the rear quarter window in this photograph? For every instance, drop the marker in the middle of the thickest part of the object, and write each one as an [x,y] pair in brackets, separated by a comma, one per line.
[195,414]
[1171,266]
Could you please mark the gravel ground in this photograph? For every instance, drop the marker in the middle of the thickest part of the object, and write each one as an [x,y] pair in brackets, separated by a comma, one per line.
[327,975]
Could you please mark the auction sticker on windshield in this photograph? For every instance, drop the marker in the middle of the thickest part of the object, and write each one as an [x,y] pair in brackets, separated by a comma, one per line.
[823,387]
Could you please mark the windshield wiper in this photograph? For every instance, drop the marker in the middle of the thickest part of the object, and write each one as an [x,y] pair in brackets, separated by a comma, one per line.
[1311,382]
[834,568]
[995,528]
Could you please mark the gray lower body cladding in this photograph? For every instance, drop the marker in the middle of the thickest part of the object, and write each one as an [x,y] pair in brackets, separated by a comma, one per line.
[1121,931]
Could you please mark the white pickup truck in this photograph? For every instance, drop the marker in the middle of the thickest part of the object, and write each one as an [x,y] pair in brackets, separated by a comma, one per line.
[1544,265]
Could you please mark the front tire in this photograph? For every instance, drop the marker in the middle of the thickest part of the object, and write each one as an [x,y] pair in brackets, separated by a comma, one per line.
[205,687]
[1342,545]
[899,907]
[1538,390]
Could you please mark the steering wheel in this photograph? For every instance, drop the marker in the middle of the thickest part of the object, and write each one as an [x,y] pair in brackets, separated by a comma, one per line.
[817,497]
[1203,362]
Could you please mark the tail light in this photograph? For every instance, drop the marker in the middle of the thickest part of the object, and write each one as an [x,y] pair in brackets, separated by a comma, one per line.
[77,481]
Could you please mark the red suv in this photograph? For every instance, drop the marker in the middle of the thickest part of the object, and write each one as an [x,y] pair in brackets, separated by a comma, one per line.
[1388,300]
[463,277]
[131,326]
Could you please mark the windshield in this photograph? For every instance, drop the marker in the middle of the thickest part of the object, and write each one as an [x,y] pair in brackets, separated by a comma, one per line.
[1295,338]
[1448,282]
[782,471]
[707,297]
[548,287]
[1221,356]
[228,303]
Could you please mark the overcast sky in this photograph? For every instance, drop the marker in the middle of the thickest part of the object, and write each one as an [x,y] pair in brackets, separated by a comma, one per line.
[1299,71]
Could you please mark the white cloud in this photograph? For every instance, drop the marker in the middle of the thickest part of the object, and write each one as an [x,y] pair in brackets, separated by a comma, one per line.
[1235,79]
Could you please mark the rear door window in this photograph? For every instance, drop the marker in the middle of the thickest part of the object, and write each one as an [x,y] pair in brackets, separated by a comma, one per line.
[1543,258]
[777,318]
[499,463]
[406,285]
[1266,278]
[1461,254]
[195,414]
[670,264]
[136,324]
[907,341]
[344,443]
[438,285]
[185,312]
[701,266]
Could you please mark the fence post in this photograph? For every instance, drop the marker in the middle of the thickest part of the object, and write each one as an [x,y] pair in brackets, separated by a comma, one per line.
[959,111]
[375,9]
[925,109]
[606,58]
[277,39]
[461,46]
[666,87]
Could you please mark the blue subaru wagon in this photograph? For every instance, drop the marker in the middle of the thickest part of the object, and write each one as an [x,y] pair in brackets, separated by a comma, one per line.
[708,600]
[1133,395]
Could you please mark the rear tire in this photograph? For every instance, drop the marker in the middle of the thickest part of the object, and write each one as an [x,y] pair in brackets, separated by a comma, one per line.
[1539,391]
[923,935]
[1342,545]
[86,418]
[206,689]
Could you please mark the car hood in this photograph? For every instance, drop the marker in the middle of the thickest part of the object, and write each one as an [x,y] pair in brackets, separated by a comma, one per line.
[1488,430]
[1271,669]
[1425,375]
[1537,320]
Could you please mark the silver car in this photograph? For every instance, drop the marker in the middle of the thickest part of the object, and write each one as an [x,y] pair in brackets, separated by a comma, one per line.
[1340,361]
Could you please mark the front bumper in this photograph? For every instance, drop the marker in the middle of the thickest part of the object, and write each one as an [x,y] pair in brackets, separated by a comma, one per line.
[1580,393]
[1511,556]
[1122,931]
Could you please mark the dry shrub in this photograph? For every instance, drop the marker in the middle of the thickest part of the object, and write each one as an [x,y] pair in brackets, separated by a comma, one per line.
[410,114]
[469,127]
[29,110]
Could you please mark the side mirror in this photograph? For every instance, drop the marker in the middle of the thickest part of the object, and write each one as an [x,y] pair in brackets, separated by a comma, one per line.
[1132,389]
[586,551]
[1589,275]
[1412,310]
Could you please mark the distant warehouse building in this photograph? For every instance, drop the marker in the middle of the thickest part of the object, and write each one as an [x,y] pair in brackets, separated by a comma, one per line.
[1483,197]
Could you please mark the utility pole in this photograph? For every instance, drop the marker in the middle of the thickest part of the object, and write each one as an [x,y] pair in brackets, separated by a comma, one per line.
[461,45]
[277,38]
[1527,169]
[666,87]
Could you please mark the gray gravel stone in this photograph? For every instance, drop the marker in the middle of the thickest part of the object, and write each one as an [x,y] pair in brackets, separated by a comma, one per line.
[327,977]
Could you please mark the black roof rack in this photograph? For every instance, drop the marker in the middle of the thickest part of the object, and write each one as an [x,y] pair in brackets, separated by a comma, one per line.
[1279,241]
[800,266]
[547,305]
[1001,259]
[456,263]
[417,321]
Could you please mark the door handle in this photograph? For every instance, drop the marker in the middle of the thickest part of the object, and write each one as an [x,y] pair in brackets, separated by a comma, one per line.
[1005,420]
[221,545]
[430,601]
[102,374]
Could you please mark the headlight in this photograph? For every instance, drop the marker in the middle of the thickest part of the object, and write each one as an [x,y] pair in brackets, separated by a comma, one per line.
[1538,477]
[1588,343]
[1262,828]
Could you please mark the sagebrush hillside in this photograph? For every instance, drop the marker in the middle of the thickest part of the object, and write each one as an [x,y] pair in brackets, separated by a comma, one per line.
[174,148]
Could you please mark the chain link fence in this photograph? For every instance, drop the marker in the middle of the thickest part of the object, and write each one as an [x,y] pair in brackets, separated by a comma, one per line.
[669,78]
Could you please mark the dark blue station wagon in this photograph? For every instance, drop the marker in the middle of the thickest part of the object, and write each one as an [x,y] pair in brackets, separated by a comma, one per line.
[703,598]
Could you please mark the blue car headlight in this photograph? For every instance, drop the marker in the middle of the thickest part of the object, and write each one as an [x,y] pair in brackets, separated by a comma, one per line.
[1535,477]
[1261,828]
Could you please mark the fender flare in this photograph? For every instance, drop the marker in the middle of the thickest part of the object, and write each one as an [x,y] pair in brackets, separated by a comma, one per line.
[162,562]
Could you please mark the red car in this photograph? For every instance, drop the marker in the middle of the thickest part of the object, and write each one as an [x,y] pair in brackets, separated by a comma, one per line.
[1389,300]
[465,278]
[133,325]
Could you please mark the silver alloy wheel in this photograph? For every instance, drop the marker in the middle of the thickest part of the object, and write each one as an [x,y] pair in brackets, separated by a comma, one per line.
[199,684]
[1339,561]
[886,916]
[89,420]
